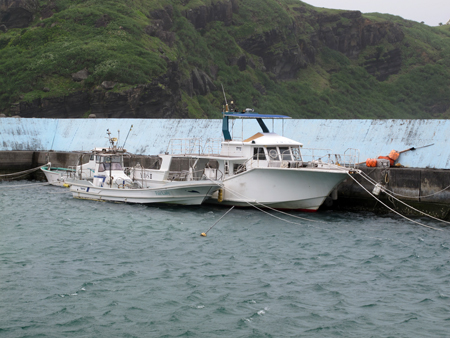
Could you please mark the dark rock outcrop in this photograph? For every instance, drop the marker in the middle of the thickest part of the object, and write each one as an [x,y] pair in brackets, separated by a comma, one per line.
[17,13]
[108,85]
[80,75]
[199,83]
[158,99]
[161,24]
[103,21]
[350,33]
[48,11]
[283,63]
[385,65]
[220,11]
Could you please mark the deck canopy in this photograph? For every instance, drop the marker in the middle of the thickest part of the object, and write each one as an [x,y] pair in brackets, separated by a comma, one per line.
[248,114]
[253,115]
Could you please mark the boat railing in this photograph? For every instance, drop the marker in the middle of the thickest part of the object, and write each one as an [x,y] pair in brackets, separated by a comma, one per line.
[316,155]
[76,172]
[310,157]
[194,146]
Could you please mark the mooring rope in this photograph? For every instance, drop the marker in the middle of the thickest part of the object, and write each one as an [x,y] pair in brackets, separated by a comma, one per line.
[394,211]
[302,218]
[249,201]
[391,195]
[25,171]
[400,195]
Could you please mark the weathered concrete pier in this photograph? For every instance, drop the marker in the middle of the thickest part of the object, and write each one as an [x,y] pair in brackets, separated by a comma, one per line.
[422,180]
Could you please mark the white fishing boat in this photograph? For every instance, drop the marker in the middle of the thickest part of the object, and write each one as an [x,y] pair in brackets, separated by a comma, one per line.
[58,175]
[111,183]
[266,168]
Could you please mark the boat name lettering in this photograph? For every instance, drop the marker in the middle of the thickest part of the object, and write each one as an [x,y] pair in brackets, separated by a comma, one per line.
[162,193]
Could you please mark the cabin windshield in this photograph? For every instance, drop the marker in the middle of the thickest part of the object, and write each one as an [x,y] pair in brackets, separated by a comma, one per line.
[285,154]
[109,163]
[259,154]
[273,153]
[296,154]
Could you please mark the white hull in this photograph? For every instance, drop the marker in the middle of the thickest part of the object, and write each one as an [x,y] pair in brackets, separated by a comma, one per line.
[300,189]
[55,177]
[183,193]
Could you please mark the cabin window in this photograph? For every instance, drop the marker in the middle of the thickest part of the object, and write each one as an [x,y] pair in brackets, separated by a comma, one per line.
[285,154]
[112,166]
[273,153]
[227,168]
[296,153]
[239,168]
[259,154]
[109,163]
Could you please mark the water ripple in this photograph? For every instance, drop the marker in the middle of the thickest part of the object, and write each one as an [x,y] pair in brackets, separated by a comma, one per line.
[74,268]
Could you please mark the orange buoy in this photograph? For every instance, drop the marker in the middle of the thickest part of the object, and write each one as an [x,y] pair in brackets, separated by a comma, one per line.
[393,155]
[371,162]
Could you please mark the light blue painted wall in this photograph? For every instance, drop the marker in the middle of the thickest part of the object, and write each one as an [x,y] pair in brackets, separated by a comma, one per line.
[151,136]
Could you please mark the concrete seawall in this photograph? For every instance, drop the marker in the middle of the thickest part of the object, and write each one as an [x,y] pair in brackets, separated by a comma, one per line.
[427,190]
[152,136]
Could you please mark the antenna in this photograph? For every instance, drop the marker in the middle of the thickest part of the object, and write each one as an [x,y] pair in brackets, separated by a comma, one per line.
[225,97]
[127,136]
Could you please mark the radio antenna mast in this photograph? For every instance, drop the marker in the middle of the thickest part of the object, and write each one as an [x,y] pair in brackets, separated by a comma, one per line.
[225,97]
[127,136]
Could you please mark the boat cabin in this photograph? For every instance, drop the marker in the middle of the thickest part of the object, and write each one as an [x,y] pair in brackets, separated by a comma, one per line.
[109,170]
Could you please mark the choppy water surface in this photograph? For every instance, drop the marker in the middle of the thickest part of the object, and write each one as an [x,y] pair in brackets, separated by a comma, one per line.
[75,268]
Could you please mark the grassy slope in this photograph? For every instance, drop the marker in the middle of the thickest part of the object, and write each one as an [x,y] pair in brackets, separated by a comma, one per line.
[38,57]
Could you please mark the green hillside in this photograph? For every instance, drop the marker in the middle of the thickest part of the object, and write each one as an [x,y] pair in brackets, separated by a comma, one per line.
[170,58]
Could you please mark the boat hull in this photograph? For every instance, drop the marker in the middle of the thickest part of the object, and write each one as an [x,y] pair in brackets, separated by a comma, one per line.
[55,176]
[293,189]
[186,193]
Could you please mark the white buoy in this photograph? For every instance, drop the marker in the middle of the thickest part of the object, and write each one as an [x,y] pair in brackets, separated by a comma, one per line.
[377,189]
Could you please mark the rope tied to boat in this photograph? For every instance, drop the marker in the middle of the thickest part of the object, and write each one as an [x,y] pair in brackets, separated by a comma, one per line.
[253,204]
[203,234]
[395,211]
[22,173]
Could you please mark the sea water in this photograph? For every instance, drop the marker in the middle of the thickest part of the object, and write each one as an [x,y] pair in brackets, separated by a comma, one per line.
[79,268]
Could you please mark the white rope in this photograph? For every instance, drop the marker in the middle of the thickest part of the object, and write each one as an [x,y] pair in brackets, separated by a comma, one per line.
[394,211]
[389,193]
[249,201]
[25,171]
[397,194]
[302,218]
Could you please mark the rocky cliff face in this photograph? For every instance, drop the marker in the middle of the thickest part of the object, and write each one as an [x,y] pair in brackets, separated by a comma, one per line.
[158,99]
[17,13]
[281,52]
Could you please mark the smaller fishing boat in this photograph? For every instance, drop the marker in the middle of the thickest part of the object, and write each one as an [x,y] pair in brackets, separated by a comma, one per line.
[58,176]
[111,183]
